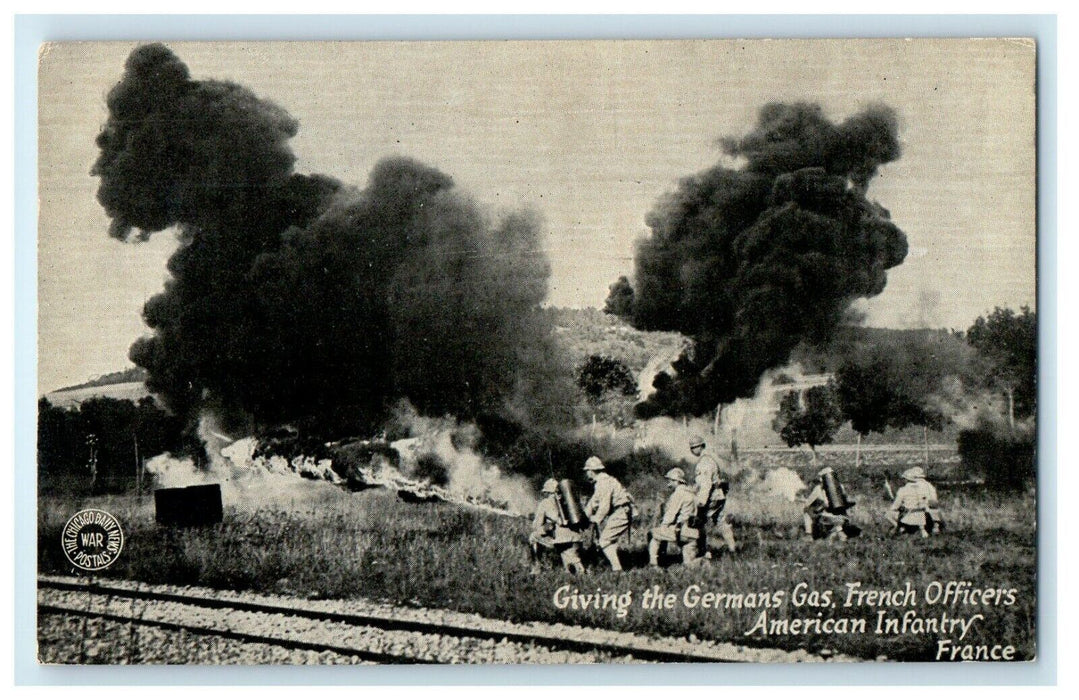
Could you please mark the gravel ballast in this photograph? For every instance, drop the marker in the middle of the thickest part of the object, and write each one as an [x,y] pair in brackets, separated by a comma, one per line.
[392,644]
[68,639]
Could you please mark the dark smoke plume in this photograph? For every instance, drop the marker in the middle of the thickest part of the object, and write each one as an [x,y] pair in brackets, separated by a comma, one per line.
[750,262]
[296,299]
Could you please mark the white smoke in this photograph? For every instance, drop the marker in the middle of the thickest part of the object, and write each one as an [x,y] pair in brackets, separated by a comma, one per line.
[250,481]
[662,361]
[966,409]
[171,472]
[671,436]
[470,477]
[748,422]
[780,484]
[744,424]
[979,410]
[244,479]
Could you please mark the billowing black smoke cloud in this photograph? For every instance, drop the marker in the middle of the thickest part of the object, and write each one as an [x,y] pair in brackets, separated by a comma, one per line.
[296,299]
[751,261]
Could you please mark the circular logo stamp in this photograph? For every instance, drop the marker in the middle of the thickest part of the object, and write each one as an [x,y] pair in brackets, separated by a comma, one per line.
[92,539]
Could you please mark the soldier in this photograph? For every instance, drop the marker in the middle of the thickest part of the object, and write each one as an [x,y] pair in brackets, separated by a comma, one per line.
[676,525]
[825,511]
[915,506]
[711,497]
[550,530]
[610,508]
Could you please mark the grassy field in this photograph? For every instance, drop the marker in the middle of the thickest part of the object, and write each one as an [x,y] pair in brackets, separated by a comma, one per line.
[329,543]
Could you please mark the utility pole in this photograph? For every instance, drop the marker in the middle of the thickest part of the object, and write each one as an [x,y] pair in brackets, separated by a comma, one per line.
[925,437]
[91,442]
[138,464]
[1011,407]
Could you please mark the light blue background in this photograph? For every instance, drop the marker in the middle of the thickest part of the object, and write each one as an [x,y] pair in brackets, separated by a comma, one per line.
[31,30]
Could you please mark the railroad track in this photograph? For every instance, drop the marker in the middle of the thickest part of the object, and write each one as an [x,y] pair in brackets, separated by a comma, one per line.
[374,637]
[243,637]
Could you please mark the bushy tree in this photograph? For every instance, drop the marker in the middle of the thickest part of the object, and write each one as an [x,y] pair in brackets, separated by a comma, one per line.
[620,300]
[811,418]
[601,374]
[1005,457]
[99,445]
[1008,342]
[609,387]
[894,385]
[59,444]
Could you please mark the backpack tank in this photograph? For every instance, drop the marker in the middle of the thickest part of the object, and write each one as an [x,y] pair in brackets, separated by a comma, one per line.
[836,500]
[570,504]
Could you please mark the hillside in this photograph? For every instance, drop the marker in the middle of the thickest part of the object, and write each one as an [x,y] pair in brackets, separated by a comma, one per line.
[585,332]
[124,376]
[828,357]
[66,398]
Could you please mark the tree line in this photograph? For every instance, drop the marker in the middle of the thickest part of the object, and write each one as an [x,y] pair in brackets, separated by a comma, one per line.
[930,380]
[884,380]
[101,445]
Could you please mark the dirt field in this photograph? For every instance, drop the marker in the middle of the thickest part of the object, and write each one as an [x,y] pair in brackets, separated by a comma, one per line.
[327,543]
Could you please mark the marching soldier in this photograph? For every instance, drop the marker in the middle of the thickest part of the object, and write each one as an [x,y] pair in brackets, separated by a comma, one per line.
[550,530]
[711,497]
[915,507]
[610,508]
[676,524]
[825,511]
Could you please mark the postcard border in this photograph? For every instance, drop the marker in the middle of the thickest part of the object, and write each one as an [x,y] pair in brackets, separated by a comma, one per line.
[31,30]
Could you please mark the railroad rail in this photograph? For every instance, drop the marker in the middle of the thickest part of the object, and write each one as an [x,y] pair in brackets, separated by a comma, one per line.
[121,598]
[245,637]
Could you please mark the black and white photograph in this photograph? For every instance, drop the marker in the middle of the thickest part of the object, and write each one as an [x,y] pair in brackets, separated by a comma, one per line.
[537,352]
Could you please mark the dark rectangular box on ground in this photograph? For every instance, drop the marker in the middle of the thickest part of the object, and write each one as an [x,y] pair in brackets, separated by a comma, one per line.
[189,506]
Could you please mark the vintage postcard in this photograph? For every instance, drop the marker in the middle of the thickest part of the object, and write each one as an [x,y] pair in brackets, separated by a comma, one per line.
[537,352]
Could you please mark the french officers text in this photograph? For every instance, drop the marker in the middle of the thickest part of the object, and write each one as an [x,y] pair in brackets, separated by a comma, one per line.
[945,610]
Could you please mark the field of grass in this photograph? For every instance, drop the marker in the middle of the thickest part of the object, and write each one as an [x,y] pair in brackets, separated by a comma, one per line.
[329,543]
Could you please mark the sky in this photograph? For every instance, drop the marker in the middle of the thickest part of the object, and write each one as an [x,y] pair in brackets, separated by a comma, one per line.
[587,134]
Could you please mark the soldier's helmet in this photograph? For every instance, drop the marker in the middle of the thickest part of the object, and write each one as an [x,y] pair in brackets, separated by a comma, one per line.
[914,473]
[594,464]
[696,441]
[550,486]
[677,474]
